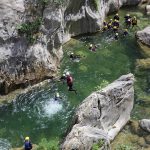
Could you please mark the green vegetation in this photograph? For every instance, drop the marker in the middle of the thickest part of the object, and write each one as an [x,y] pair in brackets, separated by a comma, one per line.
[48,145]
[95,4]
[124,147]
[30,30]
[98,145]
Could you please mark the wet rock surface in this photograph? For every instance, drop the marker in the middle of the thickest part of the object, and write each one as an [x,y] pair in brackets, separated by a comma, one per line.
[102,115]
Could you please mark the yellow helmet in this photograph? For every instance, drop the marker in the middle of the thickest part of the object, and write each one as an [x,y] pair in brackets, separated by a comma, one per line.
[27,138]
[126,29]
[117,20]
[134,17]
[110,19]
[117,14]
[114,27]
[128,14]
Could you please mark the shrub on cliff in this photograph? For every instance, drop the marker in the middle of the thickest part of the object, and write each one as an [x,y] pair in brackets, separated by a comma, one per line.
[48,145]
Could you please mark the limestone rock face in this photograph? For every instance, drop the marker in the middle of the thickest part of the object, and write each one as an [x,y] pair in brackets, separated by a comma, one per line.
[102,115]
[145,124]
[144,36]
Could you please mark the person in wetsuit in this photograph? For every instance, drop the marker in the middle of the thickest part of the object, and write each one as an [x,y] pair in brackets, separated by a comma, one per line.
[69,79]
[27,144]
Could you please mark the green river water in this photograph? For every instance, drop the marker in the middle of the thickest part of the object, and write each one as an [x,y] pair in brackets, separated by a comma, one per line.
[37,115]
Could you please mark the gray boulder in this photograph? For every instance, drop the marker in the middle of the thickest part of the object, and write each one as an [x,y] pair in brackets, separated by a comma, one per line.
[148,9]
[102,115]
[145,124]
[144,36]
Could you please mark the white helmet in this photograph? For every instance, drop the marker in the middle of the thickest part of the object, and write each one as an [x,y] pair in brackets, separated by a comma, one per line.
[67,73]
[71,53]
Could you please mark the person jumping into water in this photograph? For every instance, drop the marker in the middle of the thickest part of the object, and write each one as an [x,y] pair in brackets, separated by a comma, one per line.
[70,82]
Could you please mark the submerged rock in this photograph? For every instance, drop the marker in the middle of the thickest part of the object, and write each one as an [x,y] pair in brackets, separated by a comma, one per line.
[145,124]
[102,115]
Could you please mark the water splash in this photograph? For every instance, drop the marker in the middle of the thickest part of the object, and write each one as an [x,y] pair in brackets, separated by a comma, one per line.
[4,144]
[52,107]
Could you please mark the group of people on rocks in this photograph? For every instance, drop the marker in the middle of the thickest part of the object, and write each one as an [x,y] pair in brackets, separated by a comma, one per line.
[114,25]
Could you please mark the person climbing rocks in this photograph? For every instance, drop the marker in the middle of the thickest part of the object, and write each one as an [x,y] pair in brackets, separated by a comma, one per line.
[57,96]
[116,17]
[27,144]
[134,21]
[116,36]
[125,32]
[70,82]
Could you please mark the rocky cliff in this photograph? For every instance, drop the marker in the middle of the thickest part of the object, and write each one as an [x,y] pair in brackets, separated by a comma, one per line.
[32,33]
[102,115]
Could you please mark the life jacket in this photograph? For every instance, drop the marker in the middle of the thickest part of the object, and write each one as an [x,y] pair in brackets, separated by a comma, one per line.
[27,145]
[134,21]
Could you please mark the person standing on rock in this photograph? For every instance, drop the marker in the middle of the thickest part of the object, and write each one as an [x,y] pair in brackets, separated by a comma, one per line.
[70,82]
[27,144]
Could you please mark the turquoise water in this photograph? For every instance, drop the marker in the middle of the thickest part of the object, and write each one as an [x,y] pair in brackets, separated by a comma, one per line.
[37,115]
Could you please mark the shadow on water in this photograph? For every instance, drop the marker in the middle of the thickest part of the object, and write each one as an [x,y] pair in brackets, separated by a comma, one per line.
[38,115]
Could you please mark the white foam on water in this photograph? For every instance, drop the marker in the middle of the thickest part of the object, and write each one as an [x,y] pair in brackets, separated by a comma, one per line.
[4,144]
[52,107]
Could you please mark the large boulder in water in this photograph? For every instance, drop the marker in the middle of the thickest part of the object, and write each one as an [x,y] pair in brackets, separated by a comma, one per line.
[144,36]
[145,124]
[102,115]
